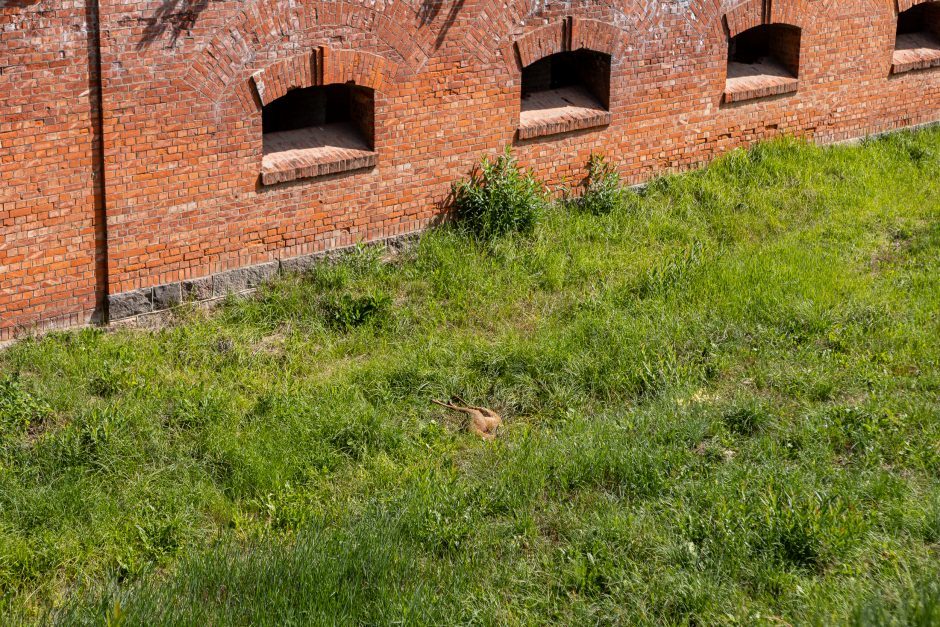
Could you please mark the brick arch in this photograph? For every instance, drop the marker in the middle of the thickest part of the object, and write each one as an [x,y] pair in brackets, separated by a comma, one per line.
[230,55]
[322,66]
[904,5]
[752,13]
[498,25]
[570,33]
[716,20]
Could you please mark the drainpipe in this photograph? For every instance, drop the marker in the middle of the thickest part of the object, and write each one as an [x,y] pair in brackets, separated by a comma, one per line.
[96,102]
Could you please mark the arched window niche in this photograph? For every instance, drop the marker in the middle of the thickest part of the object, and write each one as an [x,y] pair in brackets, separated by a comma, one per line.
[564,92]
[763,61]
[315,131]
[917,43]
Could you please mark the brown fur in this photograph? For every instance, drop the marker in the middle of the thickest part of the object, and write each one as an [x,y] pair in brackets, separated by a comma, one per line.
[481,421]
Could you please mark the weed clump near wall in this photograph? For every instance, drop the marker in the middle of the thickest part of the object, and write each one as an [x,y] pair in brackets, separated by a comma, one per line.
[498,198]
[603,191]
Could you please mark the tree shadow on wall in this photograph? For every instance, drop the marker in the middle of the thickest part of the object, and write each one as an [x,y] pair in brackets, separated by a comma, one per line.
[430,9]
[174,16]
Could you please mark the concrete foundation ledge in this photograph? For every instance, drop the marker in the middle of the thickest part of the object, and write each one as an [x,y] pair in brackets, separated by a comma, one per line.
[145,302]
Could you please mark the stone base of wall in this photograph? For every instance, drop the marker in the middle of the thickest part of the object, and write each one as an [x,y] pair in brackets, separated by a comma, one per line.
[851,141]
[48,325]
[148,306]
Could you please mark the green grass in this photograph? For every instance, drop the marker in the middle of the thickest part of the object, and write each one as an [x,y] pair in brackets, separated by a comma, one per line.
[722,404]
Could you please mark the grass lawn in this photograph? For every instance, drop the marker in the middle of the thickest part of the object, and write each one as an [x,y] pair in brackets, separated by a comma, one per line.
[721,403]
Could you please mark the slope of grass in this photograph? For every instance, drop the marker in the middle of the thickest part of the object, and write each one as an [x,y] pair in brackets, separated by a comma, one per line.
[721,404]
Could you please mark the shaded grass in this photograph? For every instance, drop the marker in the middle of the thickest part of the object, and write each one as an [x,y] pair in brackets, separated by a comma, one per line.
[721,401]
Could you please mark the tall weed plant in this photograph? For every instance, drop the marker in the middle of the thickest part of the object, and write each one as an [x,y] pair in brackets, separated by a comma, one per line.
[604,191]
[498,198]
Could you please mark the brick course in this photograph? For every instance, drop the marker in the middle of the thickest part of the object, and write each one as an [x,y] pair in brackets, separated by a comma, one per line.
[181,197]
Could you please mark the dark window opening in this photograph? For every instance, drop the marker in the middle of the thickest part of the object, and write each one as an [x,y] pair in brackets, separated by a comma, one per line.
[769,44]
[763,61]
[584,68]
[318,130]
[321,106]
[919,19]
[564,92]
[917,44]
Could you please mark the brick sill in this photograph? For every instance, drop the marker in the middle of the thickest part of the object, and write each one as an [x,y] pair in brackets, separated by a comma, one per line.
[312,152]
[555,111]
[915,51]
[757,80]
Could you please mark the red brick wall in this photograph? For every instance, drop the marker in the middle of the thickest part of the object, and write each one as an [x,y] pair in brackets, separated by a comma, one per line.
[182,123]
[47,178]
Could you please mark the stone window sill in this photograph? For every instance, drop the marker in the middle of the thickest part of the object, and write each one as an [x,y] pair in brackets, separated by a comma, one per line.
[915,51]
[562,110]
[765,78]
[315,151]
